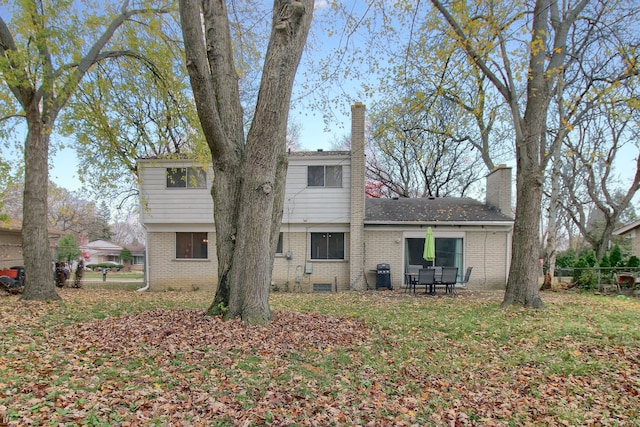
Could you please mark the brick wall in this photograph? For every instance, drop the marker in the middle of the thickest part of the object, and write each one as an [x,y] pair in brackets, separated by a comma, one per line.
[286,271]
[486,252]
[167,272]
[499,189]
[384,247]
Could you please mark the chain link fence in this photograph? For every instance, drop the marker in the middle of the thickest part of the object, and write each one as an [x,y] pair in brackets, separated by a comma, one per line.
[622,279]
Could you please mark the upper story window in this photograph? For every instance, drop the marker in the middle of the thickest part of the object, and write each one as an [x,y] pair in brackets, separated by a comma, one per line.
[186,178]
[324,176]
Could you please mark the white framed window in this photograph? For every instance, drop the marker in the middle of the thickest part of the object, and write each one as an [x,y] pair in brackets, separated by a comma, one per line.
[327,246]
[186,178]
[324,176]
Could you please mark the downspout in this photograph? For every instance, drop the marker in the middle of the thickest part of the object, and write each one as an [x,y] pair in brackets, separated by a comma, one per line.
[507,263]
[146,266]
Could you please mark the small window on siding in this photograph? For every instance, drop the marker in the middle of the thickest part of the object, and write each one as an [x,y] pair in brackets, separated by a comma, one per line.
[192,245]
[327,245]
[186,178]
[324,176]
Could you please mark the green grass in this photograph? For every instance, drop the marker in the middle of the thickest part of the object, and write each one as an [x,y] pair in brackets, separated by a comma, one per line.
[114,274]
[427,361]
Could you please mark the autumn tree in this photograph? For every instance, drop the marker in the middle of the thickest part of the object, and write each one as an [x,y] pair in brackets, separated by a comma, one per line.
[593,195]
[415,151]
[68,211]
[439,126]
[591,124]
[46,49]
[249,173]
[555,33]
[128,109]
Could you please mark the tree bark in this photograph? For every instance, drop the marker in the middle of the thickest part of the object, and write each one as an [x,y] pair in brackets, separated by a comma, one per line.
[248,191]
[39,284]
[522,284]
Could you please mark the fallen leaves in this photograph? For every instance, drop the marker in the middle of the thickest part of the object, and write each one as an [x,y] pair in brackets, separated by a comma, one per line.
[388,359]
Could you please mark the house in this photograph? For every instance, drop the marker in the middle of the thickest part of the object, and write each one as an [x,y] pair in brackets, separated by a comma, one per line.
[332,237]
[632,232]
[11,243]
[102,251]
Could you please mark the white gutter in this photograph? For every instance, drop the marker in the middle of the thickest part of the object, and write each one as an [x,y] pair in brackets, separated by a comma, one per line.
[146,264]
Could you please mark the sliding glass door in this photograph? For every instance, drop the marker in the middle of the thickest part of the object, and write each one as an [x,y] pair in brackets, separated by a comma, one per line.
[448,252]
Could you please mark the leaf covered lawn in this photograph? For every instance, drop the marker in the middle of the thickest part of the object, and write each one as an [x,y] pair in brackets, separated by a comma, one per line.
[373,358]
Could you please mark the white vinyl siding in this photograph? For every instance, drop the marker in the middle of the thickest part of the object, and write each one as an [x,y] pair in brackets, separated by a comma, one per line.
[188,206]
[161,205]
[325,205]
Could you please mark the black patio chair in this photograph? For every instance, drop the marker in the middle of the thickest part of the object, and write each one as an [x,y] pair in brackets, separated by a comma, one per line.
[411,276]
[449,279]
[426,278]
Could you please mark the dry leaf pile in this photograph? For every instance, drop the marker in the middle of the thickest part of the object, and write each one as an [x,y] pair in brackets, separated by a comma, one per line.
[177,367]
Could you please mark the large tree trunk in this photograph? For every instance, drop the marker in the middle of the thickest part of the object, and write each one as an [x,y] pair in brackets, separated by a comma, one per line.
[249,179]
[522,285]
[39,283]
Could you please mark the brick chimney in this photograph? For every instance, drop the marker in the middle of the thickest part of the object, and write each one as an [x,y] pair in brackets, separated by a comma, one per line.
[356,253]
[499,189]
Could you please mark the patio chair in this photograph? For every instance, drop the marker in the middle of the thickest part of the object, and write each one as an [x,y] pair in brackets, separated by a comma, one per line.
[426,278]
[411,276]
[467,275]
[449,279]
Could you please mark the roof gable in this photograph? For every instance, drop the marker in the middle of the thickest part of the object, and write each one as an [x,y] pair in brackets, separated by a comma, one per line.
[627,228]
[102,245]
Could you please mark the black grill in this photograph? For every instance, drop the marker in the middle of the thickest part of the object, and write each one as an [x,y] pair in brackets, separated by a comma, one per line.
[383,276]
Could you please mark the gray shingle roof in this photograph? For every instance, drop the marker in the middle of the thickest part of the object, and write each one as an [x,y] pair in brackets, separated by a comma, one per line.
[446,209]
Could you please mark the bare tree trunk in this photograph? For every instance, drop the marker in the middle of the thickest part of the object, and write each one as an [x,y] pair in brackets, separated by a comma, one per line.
[522,285]
[248,189]
[39,283]
[552,229]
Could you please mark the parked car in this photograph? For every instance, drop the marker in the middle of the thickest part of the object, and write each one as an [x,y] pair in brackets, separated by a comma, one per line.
[110,265]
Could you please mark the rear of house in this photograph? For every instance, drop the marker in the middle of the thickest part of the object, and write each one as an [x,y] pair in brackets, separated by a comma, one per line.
[332,237]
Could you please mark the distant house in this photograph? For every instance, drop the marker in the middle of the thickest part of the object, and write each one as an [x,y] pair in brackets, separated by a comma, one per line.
[101,251]
[11,253]
[332,237]
[632,232]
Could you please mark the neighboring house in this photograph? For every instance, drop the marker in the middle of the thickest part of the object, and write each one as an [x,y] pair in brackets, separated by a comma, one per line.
[332,237]
[11,244]
[632,232]
[101,251]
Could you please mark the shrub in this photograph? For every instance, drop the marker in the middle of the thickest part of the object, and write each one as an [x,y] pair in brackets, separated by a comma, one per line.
[587,279]
[615,257]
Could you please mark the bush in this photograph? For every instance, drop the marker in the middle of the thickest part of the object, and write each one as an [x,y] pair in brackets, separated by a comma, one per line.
[634,261]
[587,280]
[615,257]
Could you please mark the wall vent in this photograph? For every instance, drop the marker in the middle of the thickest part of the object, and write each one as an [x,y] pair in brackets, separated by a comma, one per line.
[322,287]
